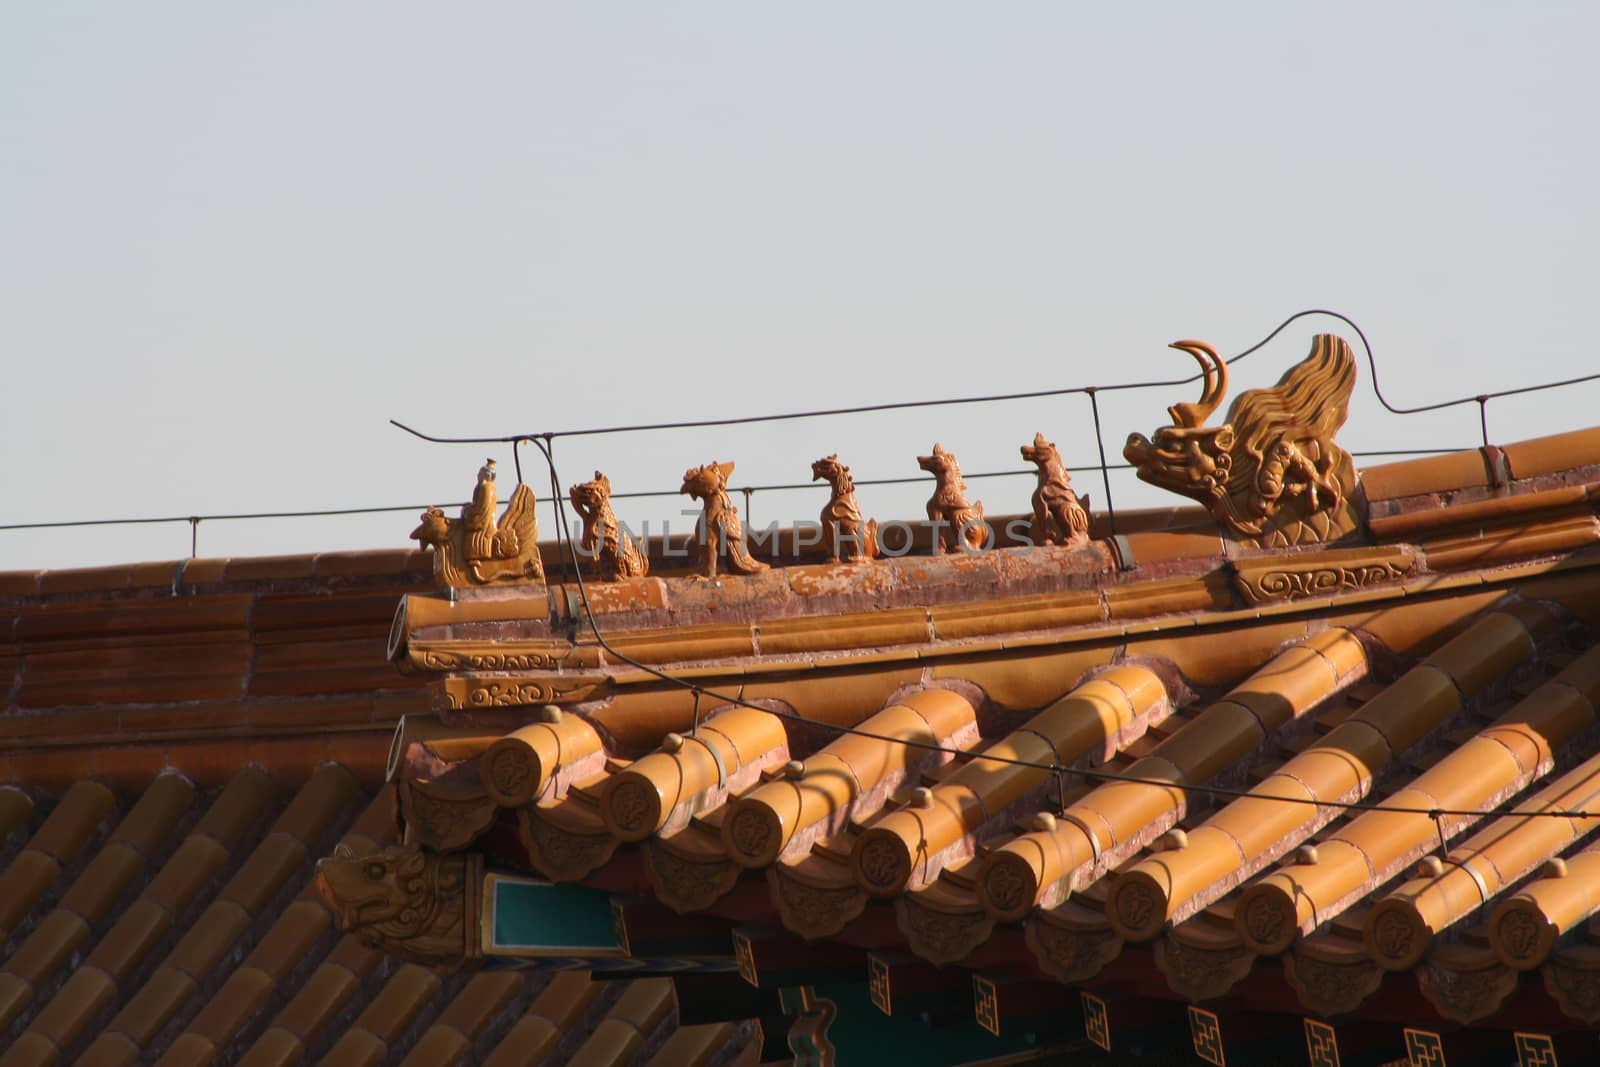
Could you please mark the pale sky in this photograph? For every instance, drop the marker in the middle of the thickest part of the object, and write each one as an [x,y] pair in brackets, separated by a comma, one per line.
[232,245]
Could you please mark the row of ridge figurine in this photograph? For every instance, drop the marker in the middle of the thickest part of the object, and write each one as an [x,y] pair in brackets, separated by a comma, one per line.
[1271,474]
[481,548]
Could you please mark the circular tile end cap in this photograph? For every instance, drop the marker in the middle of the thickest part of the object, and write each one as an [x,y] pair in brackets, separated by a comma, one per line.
[511,772]
[1396,936]
[1266,920]
[1008,886]
[1137,906]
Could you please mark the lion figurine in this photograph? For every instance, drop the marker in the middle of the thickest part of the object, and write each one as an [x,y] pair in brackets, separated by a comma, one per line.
[719,525]
[956,521]
[1058,516]
[849,538]
[616,554]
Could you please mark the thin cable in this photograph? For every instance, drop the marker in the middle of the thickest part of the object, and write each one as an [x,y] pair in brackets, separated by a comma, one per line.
[545,445]
[775,487]
[864,409]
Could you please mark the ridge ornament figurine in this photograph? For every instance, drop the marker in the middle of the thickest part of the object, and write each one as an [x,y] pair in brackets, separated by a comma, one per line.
[616,554]
[719,520]
[849,538]
[1271,474]
[954,520]
[478,548]
[1058,516]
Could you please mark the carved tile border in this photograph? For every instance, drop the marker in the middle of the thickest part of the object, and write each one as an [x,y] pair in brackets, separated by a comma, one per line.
[1274,579]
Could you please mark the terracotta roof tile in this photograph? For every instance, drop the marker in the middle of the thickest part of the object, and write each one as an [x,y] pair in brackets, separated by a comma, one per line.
[1011,634]
[385,1019]
[555,1011]
[478,1002]
[1256,829]
[849,778]
[628,1026]
[55,844]
[15,810]
[1400,927]
[907,848]
[695,1046]
[1377,845]
[93,985]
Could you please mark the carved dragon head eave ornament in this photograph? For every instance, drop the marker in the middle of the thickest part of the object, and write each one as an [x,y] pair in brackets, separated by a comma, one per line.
[1271,473]
[416,905]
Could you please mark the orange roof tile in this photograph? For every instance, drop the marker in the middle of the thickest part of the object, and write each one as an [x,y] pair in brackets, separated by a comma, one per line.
[1412,671]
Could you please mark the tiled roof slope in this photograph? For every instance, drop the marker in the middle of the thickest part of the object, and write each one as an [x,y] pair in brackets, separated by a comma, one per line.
[180,743]
[1443,675]
[202,665]
[178,926]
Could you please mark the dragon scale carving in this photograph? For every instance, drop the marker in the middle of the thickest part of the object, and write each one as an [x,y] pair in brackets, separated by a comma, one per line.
[409,903]
[1271,474]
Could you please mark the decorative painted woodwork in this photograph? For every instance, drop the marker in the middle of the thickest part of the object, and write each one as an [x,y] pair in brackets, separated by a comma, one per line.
[1535,1050]
[808,1036]
[412,904]
[614,552]
[847,535]
[1097,1021]
[1322,1044]
[902,985]
[719,527]
[1205,1030]
[1424,1048]
[1271,579]
[1058,516]
[481,548]
[529,918]
[1271,473]
[770,958]
[956,522]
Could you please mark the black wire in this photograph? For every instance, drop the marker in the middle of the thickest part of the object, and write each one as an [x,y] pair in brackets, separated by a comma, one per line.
[775,487]
[545,445]
[1372,365]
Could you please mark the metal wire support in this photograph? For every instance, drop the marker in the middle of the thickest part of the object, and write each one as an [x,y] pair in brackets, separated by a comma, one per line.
[1105,475]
